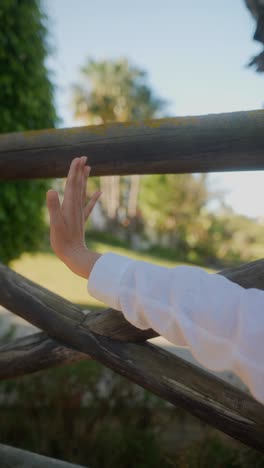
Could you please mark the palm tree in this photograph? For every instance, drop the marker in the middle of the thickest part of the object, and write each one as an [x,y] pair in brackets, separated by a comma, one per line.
[115,91]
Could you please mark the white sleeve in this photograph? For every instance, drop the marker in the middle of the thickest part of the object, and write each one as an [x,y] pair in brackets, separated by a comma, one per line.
[221,322]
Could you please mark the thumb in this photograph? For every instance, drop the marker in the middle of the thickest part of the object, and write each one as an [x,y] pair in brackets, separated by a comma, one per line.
[53,204]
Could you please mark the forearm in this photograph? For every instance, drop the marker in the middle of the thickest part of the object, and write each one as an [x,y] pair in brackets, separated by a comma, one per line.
[151,296]
[221,322]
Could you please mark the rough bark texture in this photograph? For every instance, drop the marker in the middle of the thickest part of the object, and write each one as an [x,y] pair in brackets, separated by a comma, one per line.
[205,396]
[38,351]
[217,142]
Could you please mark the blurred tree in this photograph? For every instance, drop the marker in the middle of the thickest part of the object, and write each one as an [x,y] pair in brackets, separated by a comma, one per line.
[256,7]
[236,237]
[174,205]
[115,91]
[26,102]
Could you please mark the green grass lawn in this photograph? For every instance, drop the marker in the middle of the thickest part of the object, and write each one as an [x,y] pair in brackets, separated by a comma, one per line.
[48,271]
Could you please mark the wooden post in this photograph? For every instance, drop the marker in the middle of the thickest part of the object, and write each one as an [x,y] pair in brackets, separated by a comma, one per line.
[207,143]
[38,351]
[171,378]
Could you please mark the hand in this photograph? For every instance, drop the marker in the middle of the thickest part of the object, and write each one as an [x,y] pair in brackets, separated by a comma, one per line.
[67,221]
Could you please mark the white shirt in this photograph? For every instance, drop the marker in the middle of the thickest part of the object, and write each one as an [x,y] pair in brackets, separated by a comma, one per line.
[221,322]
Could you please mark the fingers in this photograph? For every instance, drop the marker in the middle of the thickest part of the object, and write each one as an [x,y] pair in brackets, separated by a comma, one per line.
[90,205]
[75,188]
[54,208]
[79,185]
[72,173]
[74,183]
[86,173]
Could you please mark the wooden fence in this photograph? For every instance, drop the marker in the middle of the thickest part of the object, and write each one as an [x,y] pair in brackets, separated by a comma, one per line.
[233,141]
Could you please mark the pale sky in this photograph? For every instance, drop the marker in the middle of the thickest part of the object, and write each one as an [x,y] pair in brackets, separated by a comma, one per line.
[195,54]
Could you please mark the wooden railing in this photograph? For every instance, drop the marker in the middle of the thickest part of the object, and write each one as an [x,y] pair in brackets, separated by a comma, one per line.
[207,143]
[189,144]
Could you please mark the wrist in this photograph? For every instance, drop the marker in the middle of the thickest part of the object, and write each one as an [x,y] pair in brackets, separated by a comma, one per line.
[82,261]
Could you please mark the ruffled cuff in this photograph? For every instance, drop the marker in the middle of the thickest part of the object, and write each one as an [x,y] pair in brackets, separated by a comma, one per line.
[105,278]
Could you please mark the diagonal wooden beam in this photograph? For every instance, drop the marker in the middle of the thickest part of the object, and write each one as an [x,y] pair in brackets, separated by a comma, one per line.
[171,378]
[207,143]
[38,351]
[34,353]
